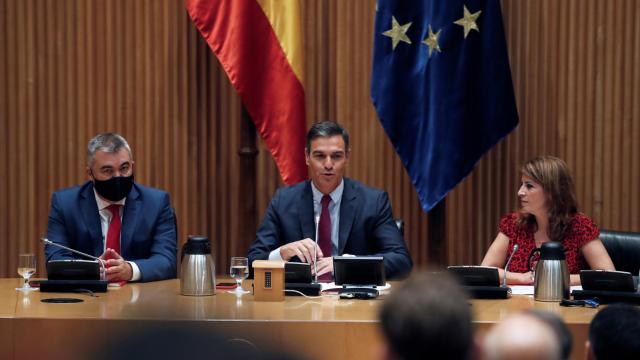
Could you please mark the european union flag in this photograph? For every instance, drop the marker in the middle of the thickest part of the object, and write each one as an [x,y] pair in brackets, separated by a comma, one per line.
[441,85]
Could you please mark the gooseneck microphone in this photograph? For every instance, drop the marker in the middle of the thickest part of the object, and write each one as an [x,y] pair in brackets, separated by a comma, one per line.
[315,252]
[513,251]
[49,242]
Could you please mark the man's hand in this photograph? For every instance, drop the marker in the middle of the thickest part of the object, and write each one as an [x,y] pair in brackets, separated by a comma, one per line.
[117,269]
[325,266]
[303,249]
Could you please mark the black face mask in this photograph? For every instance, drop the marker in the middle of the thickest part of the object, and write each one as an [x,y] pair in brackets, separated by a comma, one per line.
[114,189]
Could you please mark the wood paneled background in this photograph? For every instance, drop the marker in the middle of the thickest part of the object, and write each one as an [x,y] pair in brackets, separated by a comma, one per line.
[72,68]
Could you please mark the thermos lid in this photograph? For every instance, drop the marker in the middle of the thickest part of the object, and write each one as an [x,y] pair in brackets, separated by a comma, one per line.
[552,250]
[197,245]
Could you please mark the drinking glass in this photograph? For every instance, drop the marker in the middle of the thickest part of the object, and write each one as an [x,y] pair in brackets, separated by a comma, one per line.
[26,268]
[239,271]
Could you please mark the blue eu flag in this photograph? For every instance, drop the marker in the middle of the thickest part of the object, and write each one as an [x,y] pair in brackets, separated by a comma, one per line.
[441,85]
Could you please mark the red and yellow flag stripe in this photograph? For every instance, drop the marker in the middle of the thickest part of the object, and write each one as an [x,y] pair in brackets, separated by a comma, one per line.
[259,44]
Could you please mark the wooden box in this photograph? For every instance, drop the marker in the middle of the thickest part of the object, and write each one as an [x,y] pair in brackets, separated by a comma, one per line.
[268,280]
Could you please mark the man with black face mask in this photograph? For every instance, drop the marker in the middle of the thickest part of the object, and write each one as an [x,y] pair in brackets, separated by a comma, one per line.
[130,226]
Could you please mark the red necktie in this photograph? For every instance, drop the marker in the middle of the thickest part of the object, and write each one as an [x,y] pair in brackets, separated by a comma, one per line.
[324,234]
[113,234]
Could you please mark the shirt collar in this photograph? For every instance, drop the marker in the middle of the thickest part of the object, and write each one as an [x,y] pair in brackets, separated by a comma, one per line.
[336,195]
[102,204]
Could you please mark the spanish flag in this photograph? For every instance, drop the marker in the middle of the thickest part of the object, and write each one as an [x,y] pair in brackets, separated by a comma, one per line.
[259,44]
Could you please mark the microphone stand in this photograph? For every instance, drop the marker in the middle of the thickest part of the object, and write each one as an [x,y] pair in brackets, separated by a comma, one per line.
[513,251]
[49,242]
[315,252]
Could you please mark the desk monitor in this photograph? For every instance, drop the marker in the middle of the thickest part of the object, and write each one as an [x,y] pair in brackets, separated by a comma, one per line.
[607,280]
[73,270]
[471,275]
[296,272]
[362,270]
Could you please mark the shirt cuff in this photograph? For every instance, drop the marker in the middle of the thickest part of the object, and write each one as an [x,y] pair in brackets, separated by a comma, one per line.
[275,255]
[136,271]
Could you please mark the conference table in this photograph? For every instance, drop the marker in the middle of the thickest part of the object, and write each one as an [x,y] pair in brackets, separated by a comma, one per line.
[32,329]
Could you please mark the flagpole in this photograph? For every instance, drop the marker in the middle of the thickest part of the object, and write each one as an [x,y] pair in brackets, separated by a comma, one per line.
[437,232]
[247,215]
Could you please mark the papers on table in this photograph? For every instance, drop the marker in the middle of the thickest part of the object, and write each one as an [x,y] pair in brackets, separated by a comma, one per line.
[528,289]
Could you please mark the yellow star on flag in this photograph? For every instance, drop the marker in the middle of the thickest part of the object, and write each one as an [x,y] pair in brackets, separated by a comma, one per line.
[468,21]
[397,32]
[432,41]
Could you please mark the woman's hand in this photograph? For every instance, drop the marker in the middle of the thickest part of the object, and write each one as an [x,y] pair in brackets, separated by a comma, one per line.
[523,278]
[514,278]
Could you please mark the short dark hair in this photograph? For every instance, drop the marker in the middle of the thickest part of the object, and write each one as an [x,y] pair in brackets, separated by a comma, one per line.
[614,333]
[326,129]
[559,327]
[428,317]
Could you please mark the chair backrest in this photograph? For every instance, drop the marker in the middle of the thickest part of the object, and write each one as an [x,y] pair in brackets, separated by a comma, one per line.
[623,248]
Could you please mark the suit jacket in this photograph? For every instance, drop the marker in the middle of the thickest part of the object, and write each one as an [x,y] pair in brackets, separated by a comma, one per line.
[366,225]
[147,236]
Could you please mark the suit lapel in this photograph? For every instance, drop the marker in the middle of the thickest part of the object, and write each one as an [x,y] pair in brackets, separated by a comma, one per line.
[91,218]
[129,220]
[305,213]
[348,205]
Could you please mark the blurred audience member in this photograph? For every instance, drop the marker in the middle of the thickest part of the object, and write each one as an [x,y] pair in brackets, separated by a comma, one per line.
[427,317]
[614,333]
[522,336]
[561,329]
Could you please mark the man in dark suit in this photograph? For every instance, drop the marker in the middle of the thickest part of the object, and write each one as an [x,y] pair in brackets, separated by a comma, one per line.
[130,226]
[352,218]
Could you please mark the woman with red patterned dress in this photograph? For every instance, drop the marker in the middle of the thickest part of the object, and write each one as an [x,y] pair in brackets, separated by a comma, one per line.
[548,212]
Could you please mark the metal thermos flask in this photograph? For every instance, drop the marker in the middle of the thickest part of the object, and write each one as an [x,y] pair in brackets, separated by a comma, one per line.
[551,281]
[197,269]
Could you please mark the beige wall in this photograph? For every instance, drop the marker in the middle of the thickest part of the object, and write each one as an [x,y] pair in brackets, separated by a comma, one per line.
[72,68]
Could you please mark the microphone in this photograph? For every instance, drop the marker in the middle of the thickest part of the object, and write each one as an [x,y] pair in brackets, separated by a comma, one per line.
[49,242]
[315,251]
[513,251]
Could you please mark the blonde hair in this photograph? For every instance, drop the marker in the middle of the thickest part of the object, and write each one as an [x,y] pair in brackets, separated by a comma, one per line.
[554,176]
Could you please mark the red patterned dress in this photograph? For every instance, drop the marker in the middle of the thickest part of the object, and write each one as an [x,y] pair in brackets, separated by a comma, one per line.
[582,230]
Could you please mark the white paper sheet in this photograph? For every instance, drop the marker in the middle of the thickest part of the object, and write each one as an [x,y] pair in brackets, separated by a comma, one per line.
[528,289]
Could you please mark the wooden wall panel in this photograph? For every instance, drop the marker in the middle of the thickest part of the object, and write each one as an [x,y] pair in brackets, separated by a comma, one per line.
[72,68]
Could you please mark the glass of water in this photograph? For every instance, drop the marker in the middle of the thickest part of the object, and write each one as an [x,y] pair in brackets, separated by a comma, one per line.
[26,269]
[239,271]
